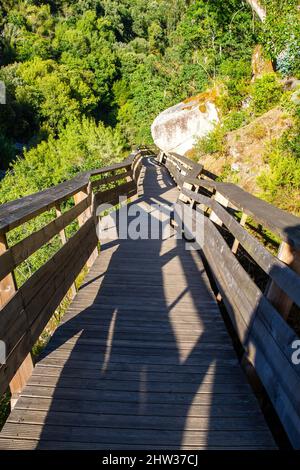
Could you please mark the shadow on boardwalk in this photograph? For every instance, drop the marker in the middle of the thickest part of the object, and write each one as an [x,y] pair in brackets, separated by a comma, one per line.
[143,359]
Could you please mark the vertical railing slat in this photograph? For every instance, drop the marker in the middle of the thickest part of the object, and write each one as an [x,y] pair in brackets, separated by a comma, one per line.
[82,218]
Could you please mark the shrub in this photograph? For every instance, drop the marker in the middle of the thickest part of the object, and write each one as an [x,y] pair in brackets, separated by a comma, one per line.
[281,183]
[7,152]
[228,175]
[235,120]
[266,93]
[237,76]
[259,131]
[280,35]
[213,143]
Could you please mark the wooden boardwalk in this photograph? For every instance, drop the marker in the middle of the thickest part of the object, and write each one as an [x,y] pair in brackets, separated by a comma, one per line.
[142,359]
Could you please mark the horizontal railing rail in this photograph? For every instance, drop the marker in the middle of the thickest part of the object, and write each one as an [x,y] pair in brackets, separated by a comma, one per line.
[285,225]
[26,310]
[287,279]
[258,316]
[180,167]
[15,213]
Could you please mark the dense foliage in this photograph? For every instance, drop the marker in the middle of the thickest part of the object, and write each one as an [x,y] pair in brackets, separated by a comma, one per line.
[117,62]
[280,34]
[84,80]
[281,184]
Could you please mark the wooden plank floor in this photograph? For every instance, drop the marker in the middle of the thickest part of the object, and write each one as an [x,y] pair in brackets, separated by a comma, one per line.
[142,359]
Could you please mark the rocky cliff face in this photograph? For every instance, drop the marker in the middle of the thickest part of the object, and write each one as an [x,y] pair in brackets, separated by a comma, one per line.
[260,65]
[177,128]
[243,155]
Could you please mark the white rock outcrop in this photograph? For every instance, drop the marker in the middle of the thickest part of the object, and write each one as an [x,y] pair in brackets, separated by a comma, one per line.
[178,128]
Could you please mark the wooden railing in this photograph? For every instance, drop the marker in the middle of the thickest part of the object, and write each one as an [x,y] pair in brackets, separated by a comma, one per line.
[180,167]
[25,311]
[258,317]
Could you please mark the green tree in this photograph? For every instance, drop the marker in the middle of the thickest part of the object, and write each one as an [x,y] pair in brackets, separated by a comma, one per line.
[266,93]
[280,34]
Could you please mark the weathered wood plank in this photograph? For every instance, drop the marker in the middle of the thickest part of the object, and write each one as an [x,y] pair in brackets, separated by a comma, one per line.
[111,396]
[280,222]
[124,408]
[131,436]
[133,421]
[285,277]
[135,386]
[18,253]
[125,373]
[136,357]
[30,444]
[229,367]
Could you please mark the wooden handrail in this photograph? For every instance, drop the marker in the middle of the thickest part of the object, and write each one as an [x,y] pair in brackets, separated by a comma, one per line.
[187,162]
[24,312]
[258,318]
[278,221]
[180,167]
[15,213]
[18,253]
[283,275]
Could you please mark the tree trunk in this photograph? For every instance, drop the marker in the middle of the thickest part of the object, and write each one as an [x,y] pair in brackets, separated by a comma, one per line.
[258,8]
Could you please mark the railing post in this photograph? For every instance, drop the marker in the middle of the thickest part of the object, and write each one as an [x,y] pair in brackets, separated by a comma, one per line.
[82,218]
[20,379]
[236,243]
[274,294]
[160,157]
[224,202]
[63,239]
[8,288]
[8,285]
[183,197]
[129,177]
[136,170]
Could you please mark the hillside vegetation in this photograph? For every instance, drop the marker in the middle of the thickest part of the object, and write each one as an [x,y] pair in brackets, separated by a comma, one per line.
[256,144]
[84,81]
[117,63]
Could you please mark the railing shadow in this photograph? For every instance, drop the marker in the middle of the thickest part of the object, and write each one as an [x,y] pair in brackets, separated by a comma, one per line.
[143,359]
